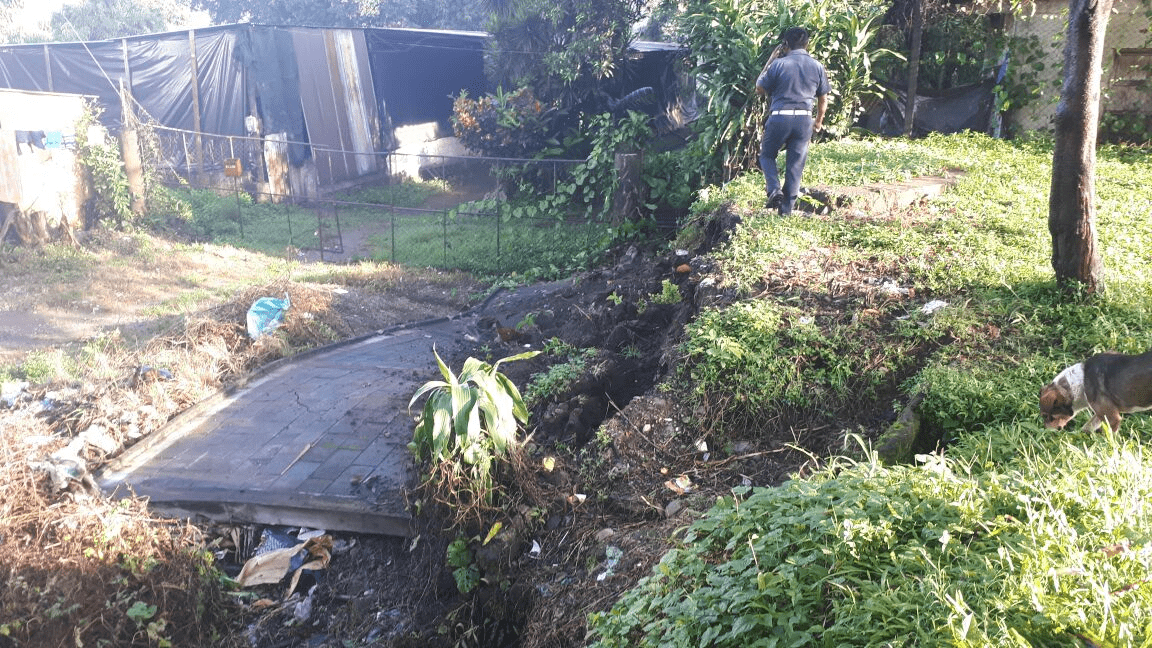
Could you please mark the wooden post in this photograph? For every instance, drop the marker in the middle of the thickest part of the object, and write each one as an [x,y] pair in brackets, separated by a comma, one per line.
[130,151]
[630,190]
[196,105]
[48,68]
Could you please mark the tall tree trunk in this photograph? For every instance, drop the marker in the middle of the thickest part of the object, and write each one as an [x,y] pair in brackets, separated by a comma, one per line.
[1071,202]
[914,65]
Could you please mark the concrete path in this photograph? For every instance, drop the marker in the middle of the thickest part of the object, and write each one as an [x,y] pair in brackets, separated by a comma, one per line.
[318,440]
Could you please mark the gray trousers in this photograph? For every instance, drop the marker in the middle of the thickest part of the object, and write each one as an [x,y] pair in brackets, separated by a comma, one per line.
[792,132]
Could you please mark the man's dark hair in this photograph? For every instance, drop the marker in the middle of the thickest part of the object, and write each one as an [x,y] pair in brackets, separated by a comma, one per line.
[795,38]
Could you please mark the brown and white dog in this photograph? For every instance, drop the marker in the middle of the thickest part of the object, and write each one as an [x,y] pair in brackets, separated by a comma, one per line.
[1108,384]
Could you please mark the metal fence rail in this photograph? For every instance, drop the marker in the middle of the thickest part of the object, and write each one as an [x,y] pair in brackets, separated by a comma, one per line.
[475,237]
[483,231]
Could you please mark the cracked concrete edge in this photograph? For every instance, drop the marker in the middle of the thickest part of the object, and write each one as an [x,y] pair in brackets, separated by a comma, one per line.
[347,513]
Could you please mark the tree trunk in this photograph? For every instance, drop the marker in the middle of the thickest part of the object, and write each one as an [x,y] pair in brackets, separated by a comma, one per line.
[913,66]
[1071,202]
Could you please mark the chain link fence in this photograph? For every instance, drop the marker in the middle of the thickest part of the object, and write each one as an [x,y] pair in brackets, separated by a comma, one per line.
[473,225]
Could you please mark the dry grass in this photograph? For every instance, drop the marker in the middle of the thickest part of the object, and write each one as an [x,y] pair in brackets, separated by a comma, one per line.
[81,570]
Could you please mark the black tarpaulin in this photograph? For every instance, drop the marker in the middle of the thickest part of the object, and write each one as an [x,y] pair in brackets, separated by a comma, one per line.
[24,68]
[222,82]
[162,80]
[89,69]
[967,108]
[269,52]
[418,74]
[659,66]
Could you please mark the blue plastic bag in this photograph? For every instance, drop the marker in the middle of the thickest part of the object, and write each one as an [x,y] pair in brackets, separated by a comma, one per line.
[266,314]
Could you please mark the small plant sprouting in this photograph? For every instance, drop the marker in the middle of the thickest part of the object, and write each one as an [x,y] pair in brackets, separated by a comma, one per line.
[669,293]
[557,347]
[615,298]
[464,570]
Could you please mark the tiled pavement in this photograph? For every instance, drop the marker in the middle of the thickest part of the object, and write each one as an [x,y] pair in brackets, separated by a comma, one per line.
[319,440]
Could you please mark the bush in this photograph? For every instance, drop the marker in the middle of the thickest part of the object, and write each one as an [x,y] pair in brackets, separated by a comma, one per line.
[467,425]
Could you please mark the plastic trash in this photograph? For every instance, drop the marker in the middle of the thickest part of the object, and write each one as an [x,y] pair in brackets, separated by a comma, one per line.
[302,559]
[266,314]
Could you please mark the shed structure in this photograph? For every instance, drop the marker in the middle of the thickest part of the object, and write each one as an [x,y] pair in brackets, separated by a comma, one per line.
[303,107]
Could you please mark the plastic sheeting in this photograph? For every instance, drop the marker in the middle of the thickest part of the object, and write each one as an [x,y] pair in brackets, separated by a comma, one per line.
[659,66]
[339,114]
[949,111]
[417,73]
[332,88]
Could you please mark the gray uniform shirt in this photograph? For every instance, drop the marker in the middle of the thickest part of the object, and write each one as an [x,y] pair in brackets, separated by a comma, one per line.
[794,81]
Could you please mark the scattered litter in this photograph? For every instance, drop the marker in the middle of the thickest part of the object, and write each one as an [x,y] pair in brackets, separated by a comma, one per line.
[308,534]
[272,566]
[680,485]
[273,539]
[340,291]
[613,555]
[266,314]
[536,549]
[893,288]
[37,440]
[933,306]
[10,392]
[97,437]
[66,466]
[149,374]
[303,610]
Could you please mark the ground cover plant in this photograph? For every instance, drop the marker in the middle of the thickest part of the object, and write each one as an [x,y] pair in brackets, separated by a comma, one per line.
[1009,535]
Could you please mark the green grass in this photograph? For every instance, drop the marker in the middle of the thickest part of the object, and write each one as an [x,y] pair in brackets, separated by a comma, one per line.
[1017,536]
[487,245]
[1034,543]
[471,238]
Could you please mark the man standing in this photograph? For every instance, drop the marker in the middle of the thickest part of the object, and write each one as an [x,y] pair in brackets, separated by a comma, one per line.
[794,80]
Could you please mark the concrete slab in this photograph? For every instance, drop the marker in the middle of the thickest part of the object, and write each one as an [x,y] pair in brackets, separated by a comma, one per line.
[318,440]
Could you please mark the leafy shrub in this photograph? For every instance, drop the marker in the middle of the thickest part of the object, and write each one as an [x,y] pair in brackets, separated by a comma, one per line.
[112,200]
[505,124]
[468,424]
[52,365]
